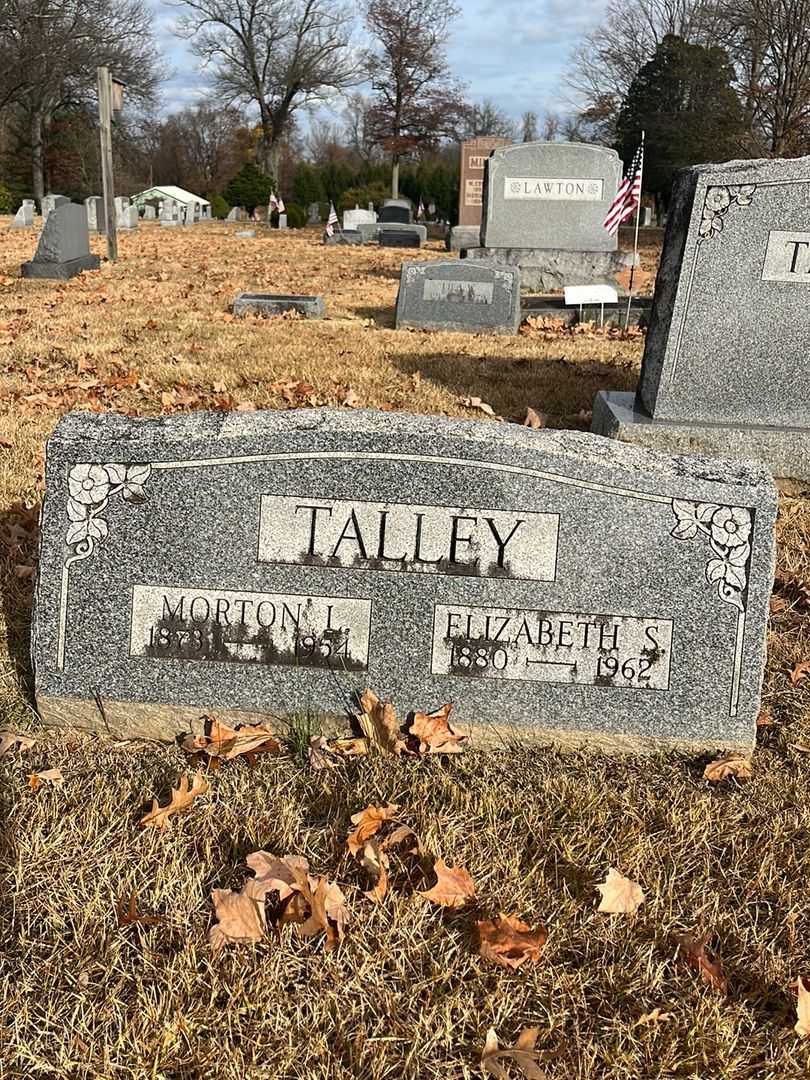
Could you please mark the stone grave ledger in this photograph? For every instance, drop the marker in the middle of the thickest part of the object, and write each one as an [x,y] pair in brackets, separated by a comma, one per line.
[551,584]
[549,195]
[726,368]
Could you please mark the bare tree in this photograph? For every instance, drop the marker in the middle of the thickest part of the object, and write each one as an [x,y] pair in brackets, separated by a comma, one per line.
[278,55]
[53,48]
[358,133]
[487,119]
[528,124]
[415,101]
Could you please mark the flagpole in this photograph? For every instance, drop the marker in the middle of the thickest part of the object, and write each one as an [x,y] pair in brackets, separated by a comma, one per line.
[635,240]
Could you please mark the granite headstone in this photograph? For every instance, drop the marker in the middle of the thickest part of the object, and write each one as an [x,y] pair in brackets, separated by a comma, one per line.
[459,295]
[397,211]
[311,307]
[50,203]
[96,214]
[726,368]
[24,218]
[64,245]
[252,565]
[399,238]
[353,218]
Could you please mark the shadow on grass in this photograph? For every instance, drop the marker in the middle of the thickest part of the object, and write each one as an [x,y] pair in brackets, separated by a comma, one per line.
[383,317]
[562,389]
[18,542]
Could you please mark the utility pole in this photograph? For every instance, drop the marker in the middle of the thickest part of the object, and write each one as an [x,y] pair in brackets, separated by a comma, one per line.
[106,88]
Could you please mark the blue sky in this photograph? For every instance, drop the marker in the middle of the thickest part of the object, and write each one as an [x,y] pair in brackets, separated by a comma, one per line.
[510,51]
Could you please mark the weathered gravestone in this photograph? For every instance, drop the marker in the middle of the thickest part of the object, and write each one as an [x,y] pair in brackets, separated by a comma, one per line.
[64,245]
[24,218]
[473,154]
[726,366]
[257,564]
[169,215]
[311,307]
[234,214]
[397,211]
[544,204]
[50,203]
[314,214]
[96,214]
[389,238]
[459,295]
[353,218]
[123,217]
[282,221]
[149,212]
[344,237]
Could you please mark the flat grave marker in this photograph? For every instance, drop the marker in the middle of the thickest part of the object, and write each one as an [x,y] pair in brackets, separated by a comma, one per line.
[311,307]
[460,296]
[551,584]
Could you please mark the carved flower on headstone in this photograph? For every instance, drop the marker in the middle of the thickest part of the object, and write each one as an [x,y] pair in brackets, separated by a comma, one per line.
[728,529]
[88,484]
[718,199]
[731,526]
[742,193]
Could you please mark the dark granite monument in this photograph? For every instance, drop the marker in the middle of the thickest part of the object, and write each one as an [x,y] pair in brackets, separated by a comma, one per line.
[459,295]
[64,245]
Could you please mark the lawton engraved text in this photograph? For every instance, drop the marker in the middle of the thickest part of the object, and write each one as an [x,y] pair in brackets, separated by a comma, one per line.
[306,530]
[553,189]
[551,646]
[250,627]
[787,257]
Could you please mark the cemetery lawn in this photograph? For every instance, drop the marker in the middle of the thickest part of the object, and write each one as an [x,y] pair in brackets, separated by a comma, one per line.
[405,995]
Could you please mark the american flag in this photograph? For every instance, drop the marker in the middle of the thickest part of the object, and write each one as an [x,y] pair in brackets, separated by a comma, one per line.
[332,220]
[276,204]
[420,211]
[627,197]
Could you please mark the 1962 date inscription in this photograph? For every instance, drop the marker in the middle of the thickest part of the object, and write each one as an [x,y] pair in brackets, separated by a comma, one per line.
[552,646]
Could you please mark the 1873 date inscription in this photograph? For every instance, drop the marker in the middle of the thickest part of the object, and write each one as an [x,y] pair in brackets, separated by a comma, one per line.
[249,627]
[552,646]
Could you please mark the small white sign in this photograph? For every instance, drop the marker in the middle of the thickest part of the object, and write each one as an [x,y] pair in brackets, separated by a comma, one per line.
[590,294]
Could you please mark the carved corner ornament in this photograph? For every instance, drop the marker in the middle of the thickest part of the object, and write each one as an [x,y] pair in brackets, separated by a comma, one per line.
[718,201]
[728,530]
[91,486]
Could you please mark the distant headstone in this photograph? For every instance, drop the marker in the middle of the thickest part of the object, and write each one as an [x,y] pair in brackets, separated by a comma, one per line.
[389,238]
[50,203]
[311,307]
[353,218]
[64,245]
[646,216]
[550,195]
[132,217]
[24,218]
[282,221]
[96,214]
[251,565]
[233,214]
[473,154]
[343,236]
[460,296]
[245,234]
[726,366]
[149,212]
[314,214]
[397,211]
[169,213]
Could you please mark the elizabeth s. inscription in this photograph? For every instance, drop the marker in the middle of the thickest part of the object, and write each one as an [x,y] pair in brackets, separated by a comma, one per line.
[549,583]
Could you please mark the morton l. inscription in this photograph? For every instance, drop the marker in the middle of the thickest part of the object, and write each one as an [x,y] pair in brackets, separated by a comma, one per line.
[551,585]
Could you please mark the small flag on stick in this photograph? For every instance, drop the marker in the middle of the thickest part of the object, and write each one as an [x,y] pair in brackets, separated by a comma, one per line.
[332,220]
[628,196]
[276,203]
[420,211]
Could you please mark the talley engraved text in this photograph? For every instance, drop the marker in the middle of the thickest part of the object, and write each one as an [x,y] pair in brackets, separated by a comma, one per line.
[787,257]
[552,646]
[304,530]
[248,627]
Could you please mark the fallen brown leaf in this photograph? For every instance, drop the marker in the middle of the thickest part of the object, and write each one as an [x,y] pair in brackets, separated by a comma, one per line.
[129,916]
[481,406]
[509,942]
[800,672]
[240,918]
[49,776]
[534,419]
[10,740]
[368,822]
[802,1025]
[655,1017]
[222,741]
[182,799]
[523,1054]
[765,718]
[736,765]
[350,747]
[379,724]
[434,733]
[453,888]
[328,910]
[702,960]
[620,895]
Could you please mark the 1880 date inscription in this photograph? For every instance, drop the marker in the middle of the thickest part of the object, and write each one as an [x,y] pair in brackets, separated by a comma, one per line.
[552,646]
[250,627]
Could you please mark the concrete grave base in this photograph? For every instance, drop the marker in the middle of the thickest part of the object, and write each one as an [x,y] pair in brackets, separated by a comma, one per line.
[463,237]
[311,307]
[785,451]
[546,269]
[555,307]
[60,270]
[348,236]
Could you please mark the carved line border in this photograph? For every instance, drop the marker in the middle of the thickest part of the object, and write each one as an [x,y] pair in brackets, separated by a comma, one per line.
[371,455]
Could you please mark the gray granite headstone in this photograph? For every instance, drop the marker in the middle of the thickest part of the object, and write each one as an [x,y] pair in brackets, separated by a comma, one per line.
[233,214]
[24,218]
[96,214]
[459,295]
[252,565]
[314,214]
[64,245]
[311,307]
[549,195]
[169,213]
[396,235]
[353,218]
[149,212]
[50,203]
[726,364]
[397,211]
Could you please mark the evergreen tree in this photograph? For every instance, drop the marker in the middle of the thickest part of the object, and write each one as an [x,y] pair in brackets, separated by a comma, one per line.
[249,188]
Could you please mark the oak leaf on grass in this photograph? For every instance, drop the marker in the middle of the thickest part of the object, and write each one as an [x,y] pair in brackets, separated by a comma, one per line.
[182,798]
[379,724]
[454,887]
[221,741]
[368,822]
[704,961]
[802,1025]
[734,765]
[48,776]
[509,942]
[656,1016]
[800,672]
[434,732]
[10,740]
[523,1054]
[620,895]
[240,918]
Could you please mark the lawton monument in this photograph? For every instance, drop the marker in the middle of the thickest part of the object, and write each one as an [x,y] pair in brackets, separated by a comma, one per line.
[726,366]
[544,205]
[473,154]
[551,584]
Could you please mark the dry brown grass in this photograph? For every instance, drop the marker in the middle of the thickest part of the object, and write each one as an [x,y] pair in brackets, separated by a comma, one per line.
[405,996]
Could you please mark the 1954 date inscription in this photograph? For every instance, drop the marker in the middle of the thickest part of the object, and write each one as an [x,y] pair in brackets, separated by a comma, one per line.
[552,646]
